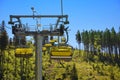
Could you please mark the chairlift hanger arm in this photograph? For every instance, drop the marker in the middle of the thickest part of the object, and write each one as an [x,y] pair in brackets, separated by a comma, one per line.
[57,23]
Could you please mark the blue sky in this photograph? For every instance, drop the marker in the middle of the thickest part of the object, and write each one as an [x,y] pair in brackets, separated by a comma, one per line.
[83,14]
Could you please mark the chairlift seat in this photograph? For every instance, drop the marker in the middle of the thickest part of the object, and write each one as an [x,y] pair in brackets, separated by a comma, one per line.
[23,52]
[48,45]
[43,49]
[52,41]
[61,52]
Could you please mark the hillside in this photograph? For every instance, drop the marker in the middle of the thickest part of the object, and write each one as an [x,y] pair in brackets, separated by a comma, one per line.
[76,69]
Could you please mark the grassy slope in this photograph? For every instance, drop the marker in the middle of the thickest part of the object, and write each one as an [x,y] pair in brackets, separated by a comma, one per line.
[85,70]
[53,70]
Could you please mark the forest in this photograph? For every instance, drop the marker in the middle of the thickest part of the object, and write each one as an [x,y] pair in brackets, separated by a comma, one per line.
[105,44]
[99,60]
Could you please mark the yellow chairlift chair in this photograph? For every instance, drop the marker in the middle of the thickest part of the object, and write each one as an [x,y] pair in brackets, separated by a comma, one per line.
[44,49]
[48,45]
[61,51]
[24,52]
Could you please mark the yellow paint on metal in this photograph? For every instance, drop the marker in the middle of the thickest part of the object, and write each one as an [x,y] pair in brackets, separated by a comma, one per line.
[61,51]
[48,45]
[52,41]
[63,39]
[23,52]
[43,49]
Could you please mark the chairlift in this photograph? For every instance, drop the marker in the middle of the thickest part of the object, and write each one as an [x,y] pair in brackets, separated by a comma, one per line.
[53,40]
[20,42]
[23,52]
[48,45]
[44,49]
[61,51]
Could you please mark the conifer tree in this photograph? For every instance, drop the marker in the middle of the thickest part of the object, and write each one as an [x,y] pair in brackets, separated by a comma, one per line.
[78,39]
[3,45]
[74,75]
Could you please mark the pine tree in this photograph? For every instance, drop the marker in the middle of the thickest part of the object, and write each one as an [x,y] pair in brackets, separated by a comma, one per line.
[3,45]
[107,40]
[91,41]
[113,42]
[85,40]
[78,39]
[10,42]
[118,42]
[74,75]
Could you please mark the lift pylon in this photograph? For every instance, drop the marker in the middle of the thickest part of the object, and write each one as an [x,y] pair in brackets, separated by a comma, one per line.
[19,31]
